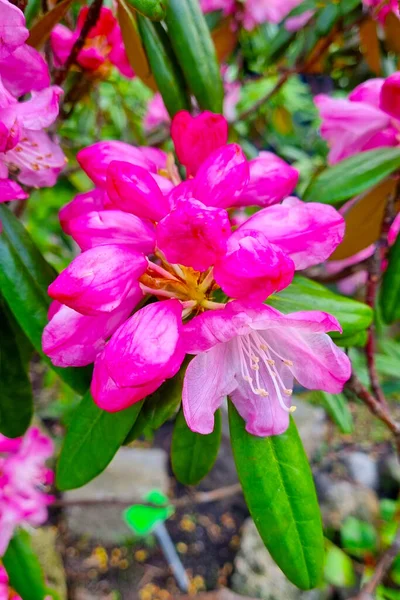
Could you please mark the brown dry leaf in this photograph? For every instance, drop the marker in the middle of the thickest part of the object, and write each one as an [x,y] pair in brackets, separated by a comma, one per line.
[364,220]
[392,32]
[370,45]
[41,30]
[133,45]
[225,39]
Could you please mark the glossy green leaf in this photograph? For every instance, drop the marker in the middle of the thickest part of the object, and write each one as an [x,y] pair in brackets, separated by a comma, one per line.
[304,294]
[193,455]
[337,407]
[279,491]
[338,569]
[358,537]
[92,440]
[24,570]
[16,401]
[24,278]
[389,298]
[152,9]
[353,176]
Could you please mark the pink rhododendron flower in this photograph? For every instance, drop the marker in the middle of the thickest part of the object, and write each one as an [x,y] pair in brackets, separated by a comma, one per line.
[381,8]
[6,593]
[390,96]
[358,123]
[227,6]
[22,475]
[253,353]
[104,46]
[156,115]
[13,32]
[257,12]
[298,22]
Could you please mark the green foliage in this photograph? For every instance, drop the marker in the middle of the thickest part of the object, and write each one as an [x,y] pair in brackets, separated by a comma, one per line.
[358,537]
[338,569]
[193,455]
[153,9]
[337,408]
[390,294]
[279,491]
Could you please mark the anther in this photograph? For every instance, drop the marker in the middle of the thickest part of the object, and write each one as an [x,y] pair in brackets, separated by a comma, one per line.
[292,409]
[288,392]
[255,367]
[289,363]
[271,362]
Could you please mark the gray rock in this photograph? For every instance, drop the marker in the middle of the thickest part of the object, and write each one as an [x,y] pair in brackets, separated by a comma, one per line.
[312,425]
[389,469]
[362,469]
[256,574]
[132,474]
[44,544]
[343,499]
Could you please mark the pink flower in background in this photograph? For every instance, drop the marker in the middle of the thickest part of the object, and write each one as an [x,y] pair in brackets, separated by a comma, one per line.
[253,353]
[6,593]
[358,123]
[23,473]
[390,96]
[257,12]
[227,6]
[104,46]
[381,8]
[13,32]
[156,115]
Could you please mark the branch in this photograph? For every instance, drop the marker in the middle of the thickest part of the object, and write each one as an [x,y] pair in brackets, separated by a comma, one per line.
[382,568]
[90,22]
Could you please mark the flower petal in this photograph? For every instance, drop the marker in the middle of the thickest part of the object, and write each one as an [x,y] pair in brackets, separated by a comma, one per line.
[10,190]
[13,31]
[41,110]
[98,280]
[62,41]
[369,92]
[307,232]
[81,205]
[390,96]
[24,70]
[112,227]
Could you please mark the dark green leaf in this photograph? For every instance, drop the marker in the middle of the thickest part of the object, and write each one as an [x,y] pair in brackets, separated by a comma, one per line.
[358,537]
[23,568]
[279,491]
[326,18]
[337,407]
[193,455]
[16,402]
[24,277]
[390,293]
[338,570]
[304,294]
[353,176]
[92,440]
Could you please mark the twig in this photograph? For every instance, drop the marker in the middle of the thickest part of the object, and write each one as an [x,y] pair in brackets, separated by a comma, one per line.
[354,385]
[383,566]
[197,498]
[90,22]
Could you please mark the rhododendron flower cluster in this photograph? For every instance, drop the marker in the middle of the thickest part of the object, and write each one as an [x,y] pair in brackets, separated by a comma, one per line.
[146,234]
[26,151]
[23,475]
[103,48]
[367,119]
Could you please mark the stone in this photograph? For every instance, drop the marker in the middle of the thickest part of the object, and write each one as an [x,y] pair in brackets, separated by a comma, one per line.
[362,469]
[256,575]
[44,544]
[389,481]
[344,499]
[132,474]
[312,425]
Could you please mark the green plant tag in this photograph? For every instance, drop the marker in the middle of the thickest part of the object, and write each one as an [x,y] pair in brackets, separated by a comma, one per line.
[143,519]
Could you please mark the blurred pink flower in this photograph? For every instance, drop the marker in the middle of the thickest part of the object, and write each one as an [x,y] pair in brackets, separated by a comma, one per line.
[227,6]
[257,12]
[6,593]
[253,353]
[156,115]
[390,96]
[23,474]
[104,46]
[381,8]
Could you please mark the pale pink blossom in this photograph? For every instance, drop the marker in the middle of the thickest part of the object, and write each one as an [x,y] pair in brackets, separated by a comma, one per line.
[253,353]
[299,21]
[23,475]
[227,6]
[156,114]
[257,12]
[103,47]
[13,32]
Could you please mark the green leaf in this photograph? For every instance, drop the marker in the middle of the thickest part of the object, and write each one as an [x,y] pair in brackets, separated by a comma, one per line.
[304,294]
[337,407]
[389,297]
[279,491]
[193,455]
[92,440]
[353,176]
[358,537]
[41,30]
[338,570]
[24,278]
[23,568]
[326,18]
[16,401]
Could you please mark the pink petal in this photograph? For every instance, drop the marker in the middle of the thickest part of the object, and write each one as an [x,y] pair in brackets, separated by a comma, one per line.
[41,110]
[308,233]
[209,378]
[62,40]
[368,92]
[112,227]
[23,71]
[105,24]
[222,178]
[181,192]
[299,21]
[193,234]
[13,31]
[96,158]
[252,268]
[74,340]
[155,155]
[98,280]
[91,58]
[390,96]
[195,138]
[394,230]
[147,347]
[10,190]
[108,396]
[271,180]
[132,189]
[156,115]
[117,55]
[81,205]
